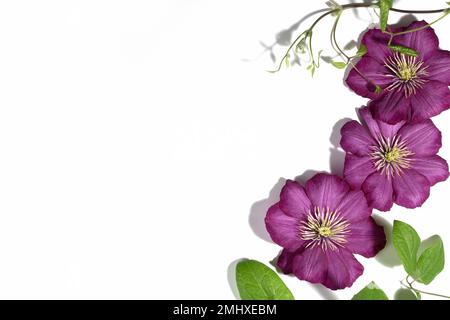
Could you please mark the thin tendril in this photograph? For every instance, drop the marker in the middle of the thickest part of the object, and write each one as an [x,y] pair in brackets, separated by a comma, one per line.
[409,286]
[393,34]
[307,34]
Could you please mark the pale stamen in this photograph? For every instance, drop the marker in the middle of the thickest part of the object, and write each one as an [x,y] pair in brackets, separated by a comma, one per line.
[324,228]
[408,73]
[391,155]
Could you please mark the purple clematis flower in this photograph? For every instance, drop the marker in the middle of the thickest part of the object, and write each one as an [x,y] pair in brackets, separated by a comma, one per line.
[392,163]
[413,88]
[320,227]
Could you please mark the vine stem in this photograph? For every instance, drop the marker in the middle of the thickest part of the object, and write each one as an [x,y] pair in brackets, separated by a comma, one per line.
[410,286]
[308,32]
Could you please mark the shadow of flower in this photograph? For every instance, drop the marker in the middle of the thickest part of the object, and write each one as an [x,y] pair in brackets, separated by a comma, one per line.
[387,257]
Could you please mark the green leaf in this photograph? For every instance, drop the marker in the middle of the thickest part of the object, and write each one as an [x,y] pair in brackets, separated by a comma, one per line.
[431,262]
[370,292]
[406,242]
[385,6]
[312,69]
[404,50]
[362,50]
[338,64]
[255,281]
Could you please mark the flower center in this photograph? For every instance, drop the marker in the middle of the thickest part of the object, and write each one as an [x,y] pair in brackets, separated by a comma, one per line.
[324,231]
[391,155]
[407,73]
[324,228]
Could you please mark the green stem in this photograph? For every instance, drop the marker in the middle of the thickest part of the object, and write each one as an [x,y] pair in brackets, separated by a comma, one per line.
[410,286]
[394,34]
[308,32]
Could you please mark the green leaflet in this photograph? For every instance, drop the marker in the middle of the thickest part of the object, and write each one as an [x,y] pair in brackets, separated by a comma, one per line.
[362,50]
[404,50]
[370,292]
[338,64]
[255,281]
[406,242]
[385,6]
[431,262]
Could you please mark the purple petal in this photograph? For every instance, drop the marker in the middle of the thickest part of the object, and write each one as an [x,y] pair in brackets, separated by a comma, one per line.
[439,66]
[430,100]
[434,168]
[370,122]
[366,238]
[392,107]
[376,43]
[378,128]
[283,229]
[422,138]
[354,208]
[424,41]
[335,269]
[372,70]
[356,139]
[357,169]
[326,191]
[294,201]
[379,191]
[286,258]
[411,189]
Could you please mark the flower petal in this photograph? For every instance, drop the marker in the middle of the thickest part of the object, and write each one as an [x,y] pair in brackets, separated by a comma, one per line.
[434,168]
[286,259]
[376,43]
[335,269]
[430,100]
[293,200]
[357,169]
[422,138]
[439,66]
[411,189]
[379,191]
[366,238]
[424,41]
[372,70]
[370,122]
[283,229]
[354,207]
[377,127]
[326,190]
[392,107]
[356,139]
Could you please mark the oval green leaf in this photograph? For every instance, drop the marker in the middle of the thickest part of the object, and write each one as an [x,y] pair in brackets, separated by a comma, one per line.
[255,281]
[371,292]
[431,262]
[406,243]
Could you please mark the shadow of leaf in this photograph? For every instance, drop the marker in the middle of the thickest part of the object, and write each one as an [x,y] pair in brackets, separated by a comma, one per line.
[231,275]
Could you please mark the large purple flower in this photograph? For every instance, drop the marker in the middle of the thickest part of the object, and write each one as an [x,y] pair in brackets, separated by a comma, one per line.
[320,227]
[392,163]
[413,88]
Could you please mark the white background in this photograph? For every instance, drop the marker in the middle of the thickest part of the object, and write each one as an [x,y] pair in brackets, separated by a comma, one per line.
[142,141]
